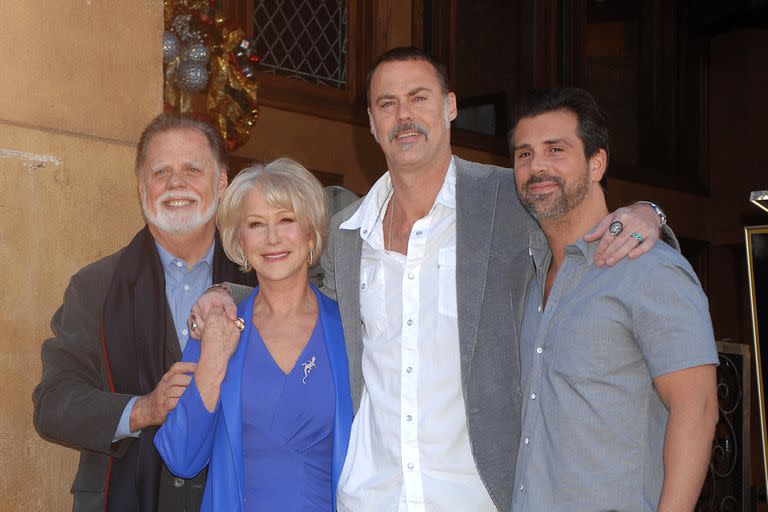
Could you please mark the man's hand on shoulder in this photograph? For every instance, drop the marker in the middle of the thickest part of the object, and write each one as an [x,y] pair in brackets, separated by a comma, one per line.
[152,409]
[630,231]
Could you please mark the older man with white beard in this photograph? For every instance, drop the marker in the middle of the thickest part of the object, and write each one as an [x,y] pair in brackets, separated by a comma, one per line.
[111,371]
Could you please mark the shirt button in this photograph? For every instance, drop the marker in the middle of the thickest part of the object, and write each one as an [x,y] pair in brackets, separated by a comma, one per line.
[410,321]
[411,465]
[365,231]
[178,263]
[410,276]
[184,332]
[533,396]
[522,487]
[408,418]
[526,440]
[539,308]
[186,287]
[418,233]
[409,369]
[539,350]
[362,286]
[178,482]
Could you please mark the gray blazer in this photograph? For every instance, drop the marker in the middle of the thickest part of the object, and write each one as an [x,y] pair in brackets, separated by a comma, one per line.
[493,268]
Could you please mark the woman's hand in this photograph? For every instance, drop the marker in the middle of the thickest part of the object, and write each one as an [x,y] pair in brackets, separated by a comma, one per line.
[220,336]
[218,343]
[216,295]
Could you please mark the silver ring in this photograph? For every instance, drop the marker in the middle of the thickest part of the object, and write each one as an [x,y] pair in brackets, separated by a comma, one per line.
[193,325]
[616,228]
[637,236]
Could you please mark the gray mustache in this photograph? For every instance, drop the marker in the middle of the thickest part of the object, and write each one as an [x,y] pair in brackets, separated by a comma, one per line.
[408,127]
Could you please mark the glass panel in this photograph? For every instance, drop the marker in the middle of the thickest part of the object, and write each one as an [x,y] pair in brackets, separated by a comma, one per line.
[485,65]
[303,39]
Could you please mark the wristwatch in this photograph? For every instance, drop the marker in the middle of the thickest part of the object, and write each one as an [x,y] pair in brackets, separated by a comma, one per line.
[658,210]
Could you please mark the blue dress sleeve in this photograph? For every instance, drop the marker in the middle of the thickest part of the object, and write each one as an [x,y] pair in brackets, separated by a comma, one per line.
[185,440]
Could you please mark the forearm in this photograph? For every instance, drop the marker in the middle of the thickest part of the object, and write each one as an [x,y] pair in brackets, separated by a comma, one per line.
[208,377]
[687,450]
[185,440]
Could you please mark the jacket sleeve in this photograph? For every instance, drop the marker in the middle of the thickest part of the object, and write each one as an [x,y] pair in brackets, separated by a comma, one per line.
[328,287]
[73,404]
[185,440]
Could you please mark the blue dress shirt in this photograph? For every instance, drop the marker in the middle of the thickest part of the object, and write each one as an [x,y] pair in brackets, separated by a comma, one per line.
[183,286]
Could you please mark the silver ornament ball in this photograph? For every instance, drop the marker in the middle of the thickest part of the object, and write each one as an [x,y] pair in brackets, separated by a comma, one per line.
[192,76]
[197,52]
[171,46]
[182,26]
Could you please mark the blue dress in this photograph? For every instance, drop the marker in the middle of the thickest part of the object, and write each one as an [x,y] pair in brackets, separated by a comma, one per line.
[288,428]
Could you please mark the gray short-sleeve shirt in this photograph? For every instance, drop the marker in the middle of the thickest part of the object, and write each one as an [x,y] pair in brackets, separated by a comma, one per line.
[593,425]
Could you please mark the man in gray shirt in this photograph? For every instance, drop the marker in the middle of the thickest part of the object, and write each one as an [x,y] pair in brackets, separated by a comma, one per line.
[618,362]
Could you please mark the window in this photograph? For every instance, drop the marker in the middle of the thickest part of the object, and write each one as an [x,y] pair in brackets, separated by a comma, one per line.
[306,39]
[314,53]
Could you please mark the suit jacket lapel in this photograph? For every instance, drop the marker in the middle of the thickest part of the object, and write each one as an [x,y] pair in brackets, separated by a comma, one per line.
[475,209]
[172,347]
[347,271]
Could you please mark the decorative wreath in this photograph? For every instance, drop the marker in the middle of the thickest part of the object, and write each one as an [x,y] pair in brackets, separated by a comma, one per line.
[204,51]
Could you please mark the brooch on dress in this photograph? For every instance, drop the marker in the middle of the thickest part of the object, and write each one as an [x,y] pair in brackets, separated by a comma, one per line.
[308,367]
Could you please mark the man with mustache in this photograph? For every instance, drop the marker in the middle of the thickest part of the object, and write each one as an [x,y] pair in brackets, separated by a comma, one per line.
[111,370]
[430,270]
[618,381]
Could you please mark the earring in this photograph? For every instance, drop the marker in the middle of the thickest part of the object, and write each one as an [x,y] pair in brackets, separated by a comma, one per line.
[311,256]
[246,266]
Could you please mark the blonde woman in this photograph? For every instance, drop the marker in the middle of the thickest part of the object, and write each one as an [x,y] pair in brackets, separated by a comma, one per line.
[268,410]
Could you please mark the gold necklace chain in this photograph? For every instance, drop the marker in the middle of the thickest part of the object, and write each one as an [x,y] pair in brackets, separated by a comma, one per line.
[388,247]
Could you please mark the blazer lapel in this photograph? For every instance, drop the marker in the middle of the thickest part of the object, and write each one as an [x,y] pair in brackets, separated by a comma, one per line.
[475,210]
[347,271]
[337,357]
[231,392]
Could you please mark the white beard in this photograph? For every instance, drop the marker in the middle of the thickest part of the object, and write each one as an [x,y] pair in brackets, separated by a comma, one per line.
[177,221]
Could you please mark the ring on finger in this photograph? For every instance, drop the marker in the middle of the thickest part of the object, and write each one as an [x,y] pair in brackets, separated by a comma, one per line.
[637,236]
[616,228]
[192,323]
[240,324]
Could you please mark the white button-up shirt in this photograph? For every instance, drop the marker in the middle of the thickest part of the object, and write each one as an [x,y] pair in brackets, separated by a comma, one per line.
[409,449]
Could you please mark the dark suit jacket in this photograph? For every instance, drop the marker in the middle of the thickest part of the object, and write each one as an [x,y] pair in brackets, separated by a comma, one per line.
[493,268]
[73,405]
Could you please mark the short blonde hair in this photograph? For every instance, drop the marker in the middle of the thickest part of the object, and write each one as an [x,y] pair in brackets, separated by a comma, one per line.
[284,183]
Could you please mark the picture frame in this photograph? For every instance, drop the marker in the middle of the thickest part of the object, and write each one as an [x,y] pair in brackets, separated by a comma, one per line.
[756,241]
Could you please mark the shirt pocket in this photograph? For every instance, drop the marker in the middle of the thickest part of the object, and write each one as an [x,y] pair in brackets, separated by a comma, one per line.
[446,269]
[372,299]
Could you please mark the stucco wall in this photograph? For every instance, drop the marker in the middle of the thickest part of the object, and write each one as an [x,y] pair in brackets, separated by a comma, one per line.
[80,79]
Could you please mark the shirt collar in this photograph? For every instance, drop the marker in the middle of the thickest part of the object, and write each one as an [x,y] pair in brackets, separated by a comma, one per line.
[373,206]
[169,260]
[538,248]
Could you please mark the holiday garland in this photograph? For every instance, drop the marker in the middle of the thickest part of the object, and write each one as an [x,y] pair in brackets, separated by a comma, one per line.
[203,50]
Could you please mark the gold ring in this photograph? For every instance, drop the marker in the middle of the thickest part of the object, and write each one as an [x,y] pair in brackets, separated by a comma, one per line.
[240,323]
